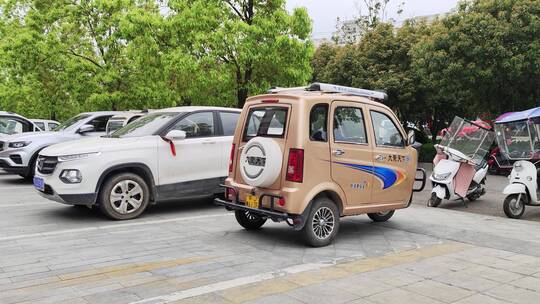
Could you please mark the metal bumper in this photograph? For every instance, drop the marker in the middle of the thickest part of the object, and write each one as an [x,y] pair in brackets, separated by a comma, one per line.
[295,220]
[275,215]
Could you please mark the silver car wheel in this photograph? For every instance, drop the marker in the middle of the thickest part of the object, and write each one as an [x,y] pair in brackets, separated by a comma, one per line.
[126,196]
[323,223]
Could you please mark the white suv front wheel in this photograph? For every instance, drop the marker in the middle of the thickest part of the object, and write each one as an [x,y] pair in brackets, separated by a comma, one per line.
[124,196]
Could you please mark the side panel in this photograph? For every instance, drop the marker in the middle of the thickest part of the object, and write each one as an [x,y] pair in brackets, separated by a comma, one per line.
[394,163]
[351,152]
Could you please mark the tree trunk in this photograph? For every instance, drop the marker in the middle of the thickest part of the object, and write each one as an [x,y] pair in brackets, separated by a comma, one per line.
[242,91]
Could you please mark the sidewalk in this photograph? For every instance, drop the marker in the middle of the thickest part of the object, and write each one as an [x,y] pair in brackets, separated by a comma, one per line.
[469,269]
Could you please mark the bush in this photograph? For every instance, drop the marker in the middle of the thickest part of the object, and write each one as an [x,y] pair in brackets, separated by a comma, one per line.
[426,153]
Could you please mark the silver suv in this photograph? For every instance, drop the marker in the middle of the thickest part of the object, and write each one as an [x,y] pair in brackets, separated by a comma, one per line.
[18,153]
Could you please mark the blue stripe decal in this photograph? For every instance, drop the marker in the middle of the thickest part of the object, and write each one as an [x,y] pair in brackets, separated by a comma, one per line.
[386,175]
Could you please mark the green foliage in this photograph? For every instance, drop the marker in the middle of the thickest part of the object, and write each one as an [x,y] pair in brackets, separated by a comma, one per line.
[426,153]
[482,60]
[58,58]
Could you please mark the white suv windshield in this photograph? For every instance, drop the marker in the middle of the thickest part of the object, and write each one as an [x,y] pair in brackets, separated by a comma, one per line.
[147,125]
[70,122]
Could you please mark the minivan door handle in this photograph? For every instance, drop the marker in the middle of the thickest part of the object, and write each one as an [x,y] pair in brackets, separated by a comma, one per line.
[209,142]
[338,152]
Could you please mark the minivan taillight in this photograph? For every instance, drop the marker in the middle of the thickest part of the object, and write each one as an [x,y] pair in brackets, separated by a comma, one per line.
[295,165]
[231,158]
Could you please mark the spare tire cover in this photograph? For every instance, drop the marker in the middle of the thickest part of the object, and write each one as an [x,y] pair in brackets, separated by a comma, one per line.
[260,162]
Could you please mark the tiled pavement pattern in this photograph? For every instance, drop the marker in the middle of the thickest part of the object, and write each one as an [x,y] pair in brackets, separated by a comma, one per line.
[194,253]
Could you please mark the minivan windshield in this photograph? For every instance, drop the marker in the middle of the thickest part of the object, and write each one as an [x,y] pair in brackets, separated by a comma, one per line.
[147,125]
[71,122]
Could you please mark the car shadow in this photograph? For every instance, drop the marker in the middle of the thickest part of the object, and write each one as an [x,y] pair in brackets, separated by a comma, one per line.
[84,214]
[14,180]
[351,231]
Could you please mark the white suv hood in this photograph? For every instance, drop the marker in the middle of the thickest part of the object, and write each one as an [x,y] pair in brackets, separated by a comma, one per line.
[89,145]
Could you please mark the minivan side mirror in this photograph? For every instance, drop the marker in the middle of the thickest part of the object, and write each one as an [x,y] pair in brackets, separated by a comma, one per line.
[411,138]
[85,129]
[176,135]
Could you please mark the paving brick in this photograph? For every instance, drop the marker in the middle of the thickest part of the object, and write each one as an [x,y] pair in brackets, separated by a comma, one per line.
[439,291]
[400,296]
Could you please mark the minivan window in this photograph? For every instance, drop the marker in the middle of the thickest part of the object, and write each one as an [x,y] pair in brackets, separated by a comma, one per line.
[349,126]
[228,121]
[268,122]
[386,132]
[318,122]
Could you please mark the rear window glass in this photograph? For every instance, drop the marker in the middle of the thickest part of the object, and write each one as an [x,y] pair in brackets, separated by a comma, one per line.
[267,122]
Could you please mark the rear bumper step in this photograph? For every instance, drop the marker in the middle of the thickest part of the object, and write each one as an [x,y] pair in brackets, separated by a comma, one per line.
[275,215]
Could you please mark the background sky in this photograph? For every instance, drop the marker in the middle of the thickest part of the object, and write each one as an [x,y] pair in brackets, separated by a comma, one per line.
[325,12]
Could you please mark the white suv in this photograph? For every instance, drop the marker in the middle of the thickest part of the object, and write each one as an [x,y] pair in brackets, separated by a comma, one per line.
[18,153]
[168,154]
[11,123]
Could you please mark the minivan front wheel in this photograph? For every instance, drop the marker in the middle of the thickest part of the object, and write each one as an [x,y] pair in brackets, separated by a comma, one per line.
[124,196]
[322,224]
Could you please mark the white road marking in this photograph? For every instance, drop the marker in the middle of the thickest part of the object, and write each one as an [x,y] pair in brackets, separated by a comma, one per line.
[105,227]
[23,204]
[219,286]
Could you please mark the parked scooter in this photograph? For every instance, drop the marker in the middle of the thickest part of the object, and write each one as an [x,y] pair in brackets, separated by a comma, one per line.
[498,163]
[518,139]
[460,168]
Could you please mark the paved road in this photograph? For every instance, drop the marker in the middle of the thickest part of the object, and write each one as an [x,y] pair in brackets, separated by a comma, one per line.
[489,204]
[193,252]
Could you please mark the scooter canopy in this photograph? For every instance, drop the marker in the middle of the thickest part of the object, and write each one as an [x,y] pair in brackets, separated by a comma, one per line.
[517,116]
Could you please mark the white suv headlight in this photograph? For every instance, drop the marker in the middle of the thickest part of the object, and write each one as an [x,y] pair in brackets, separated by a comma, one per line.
[441,176]
[71,157]
[19,144]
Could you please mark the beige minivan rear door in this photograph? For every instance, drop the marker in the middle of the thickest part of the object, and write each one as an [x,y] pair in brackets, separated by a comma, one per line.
[351,151]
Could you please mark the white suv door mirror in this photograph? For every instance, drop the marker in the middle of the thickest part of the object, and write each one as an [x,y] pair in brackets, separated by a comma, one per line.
[86,129]
[176,135]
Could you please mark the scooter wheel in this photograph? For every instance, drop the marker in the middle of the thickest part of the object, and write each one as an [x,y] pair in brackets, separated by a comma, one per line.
[514,206]
[434,201]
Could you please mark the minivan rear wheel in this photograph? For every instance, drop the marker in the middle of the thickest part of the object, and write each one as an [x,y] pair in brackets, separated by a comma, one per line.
[322,224]
[124,196]
[249,220]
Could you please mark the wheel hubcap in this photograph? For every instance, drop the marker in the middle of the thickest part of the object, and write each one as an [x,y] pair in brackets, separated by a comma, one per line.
[323,223]
[126,196]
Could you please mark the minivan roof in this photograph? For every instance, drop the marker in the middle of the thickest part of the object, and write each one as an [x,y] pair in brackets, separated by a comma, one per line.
[316,97]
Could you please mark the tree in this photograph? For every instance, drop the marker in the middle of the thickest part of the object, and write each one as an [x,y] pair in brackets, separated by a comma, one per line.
[255,42]
[483,58]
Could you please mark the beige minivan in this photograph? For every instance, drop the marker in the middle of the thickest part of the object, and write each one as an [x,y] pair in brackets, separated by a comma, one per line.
[310,155]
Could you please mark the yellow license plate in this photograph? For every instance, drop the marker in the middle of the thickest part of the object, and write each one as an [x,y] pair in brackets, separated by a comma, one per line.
[252,201]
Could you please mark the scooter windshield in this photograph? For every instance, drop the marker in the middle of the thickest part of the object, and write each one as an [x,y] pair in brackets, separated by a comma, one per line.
[470,139]
[518,139]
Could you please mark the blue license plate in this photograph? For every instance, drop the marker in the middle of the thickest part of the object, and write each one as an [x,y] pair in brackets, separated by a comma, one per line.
[39,183]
